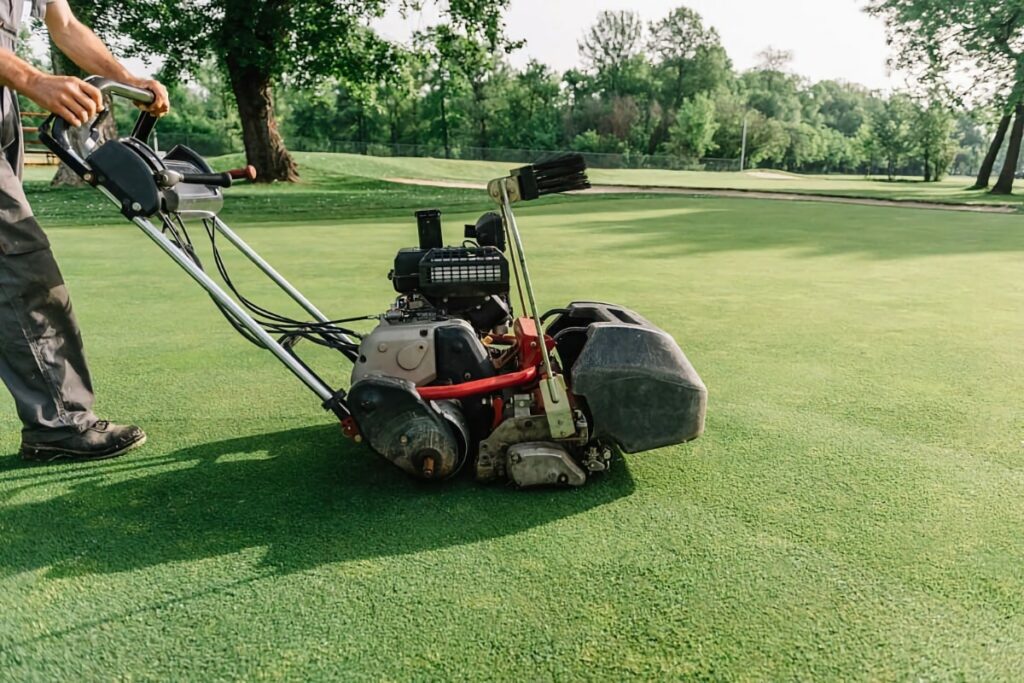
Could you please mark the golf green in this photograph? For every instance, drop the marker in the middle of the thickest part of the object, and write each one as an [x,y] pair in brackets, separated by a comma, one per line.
[853,512]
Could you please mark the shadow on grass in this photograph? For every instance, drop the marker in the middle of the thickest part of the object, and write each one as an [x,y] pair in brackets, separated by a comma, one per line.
[333,199]
[306,495]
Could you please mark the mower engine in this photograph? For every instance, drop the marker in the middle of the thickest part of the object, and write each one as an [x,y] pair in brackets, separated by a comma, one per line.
[453,377]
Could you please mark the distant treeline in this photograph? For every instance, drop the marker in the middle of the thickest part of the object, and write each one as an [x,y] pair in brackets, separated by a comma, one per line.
[666,88]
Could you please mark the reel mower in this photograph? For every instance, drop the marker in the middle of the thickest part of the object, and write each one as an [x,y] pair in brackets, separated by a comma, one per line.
[463,371]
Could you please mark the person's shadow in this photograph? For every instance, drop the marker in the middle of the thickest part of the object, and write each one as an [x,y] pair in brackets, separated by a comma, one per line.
[307,495]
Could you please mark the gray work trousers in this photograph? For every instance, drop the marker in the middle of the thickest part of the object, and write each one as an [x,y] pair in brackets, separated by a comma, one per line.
[41,358]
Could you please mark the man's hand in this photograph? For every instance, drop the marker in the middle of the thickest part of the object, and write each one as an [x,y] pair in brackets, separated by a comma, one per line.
[161,103]
[82,47]
[68,97]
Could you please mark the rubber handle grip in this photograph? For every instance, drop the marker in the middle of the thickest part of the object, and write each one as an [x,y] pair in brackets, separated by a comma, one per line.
[216,179]
[247,173]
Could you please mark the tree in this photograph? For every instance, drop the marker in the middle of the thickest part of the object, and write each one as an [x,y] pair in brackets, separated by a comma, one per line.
[532,115]
[439,49]
[989,162]
[844,107]
[1005,183]
[972,140]
[690,60]
[611,46]
[260,42]
[693,133]
[397,92]
[980,38]
[934,131]
[891,132]
[772,59]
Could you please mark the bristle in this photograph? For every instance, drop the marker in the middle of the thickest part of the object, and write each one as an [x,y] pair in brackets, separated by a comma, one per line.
[561,173]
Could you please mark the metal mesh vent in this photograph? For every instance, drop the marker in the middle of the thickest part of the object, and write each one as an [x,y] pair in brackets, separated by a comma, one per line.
[463,266]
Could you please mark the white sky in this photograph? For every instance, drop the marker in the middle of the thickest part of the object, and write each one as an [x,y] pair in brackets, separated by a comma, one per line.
[830,39]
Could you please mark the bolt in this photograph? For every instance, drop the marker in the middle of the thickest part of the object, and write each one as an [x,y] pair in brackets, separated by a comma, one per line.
[382,347]
[563,479]
[88,177]
[136,206]
[428,467]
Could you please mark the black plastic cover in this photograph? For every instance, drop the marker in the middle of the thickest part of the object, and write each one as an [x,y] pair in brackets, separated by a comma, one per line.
[639,387]
[428,223]
[488,314]
[126,176]
[406,275]
[460,355]
[489,231]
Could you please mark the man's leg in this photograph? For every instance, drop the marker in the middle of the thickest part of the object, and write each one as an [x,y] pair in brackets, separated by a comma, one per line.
[43,366]
[41,358]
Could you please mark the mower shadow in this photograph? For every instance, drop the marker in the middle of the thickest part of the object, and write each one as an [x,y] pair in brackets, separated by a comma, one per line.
[306,495]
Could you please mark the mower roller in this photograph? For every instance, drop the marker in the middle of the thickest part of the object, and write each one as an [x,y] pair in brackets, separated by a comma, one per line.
[453,376]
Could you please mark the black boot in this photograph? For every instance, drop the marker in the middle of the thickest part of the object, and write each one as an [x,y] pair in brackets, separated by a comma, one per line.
[100,441]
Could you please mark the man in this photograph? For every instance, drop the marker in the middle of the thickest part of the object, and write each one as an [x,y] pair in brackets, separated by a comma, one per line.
[41,358]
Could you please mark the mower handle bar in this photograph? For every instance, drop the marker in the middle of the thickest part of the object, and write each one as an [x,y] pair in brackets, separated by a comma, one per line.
[129,92]
[54,131]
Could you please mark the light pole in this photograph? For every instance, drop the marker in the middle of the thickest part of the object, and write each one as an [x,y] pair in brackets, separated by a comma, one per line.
[743,147]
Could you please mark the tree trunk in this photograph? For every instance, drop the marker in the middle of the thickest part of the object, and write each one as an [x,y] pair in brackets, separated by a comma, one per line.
[1005,183]
[363,142]
[264,146]
[444,124]
[985,172]
[479,101]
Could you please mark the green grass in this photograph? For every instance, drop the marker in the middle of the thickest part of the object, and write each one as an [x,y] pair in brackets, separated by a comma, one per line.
[853,512]
[951,190]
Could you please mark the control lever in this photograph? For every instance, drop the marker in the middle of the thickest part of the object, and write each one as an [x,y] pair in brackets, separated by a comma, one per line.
[168,178]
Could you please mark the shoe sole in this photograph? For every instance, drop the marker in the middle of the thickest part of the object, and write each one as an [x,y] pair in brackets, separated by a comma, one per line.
[43,454]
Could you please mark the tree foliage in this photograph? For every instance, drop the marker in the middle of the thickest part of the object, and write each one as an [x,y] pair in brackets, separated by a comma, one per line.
[666,87]
[260,43]
[942,42]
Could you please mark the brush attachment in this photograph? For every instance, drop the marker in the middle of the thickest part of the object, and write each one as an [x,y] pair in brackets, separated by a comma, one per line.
[562,173]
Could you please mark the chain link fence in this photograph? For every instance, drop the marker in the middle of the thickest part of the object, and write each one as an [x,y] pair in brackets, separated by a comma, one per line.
[209,145]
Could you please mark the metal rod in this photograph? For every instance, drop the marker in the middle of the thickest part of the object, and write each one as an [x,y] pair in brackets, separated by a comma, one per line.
[510,223]
[279,279]
[743,148]
[219,295]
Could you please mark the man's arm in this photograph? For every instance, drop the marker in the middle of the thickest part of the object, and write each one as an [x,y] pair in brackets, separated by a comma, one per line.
[84,48]
[70,98]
